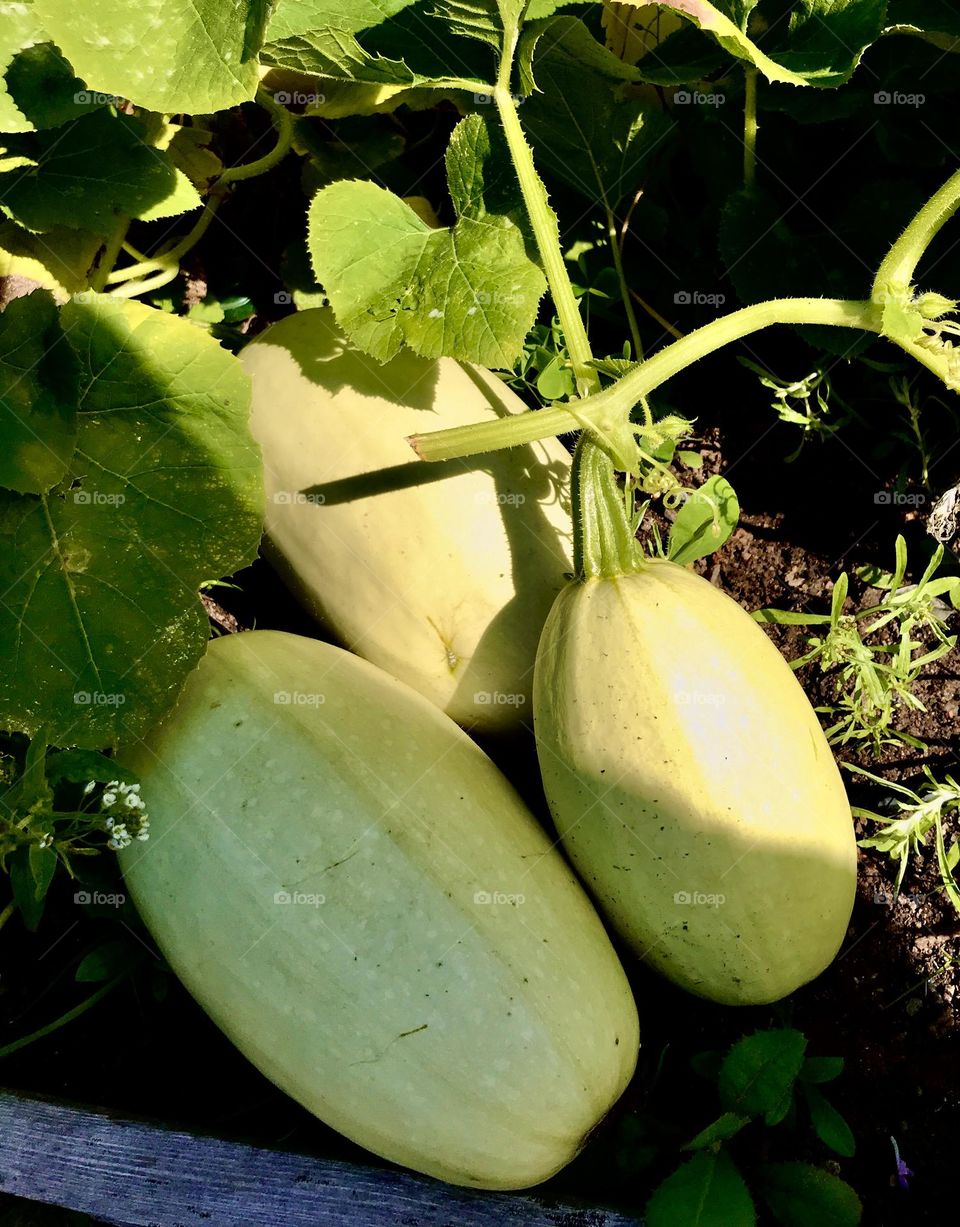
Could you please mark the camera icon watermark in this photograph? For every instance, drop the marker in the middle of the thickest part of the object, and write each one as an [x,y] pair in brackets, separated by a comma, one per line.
[698,898]
[498,898]
[299,897]
[687,98]
[98,698]
[98,498]
[293,498]
[897,498]
[894,98]
[299,698]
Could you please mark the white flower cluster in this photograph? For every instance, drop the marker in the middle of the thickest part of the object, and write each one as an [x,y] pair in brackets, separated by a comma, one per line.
[125,814]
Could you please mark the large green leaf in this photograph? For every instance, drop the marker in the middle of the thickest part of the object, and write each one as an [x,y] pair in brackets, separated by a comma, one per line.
[167,55]
[937,21]
[470,292]
[19,28]
[291,18]
[581,128]
[706,1191]
[38,396]
[45,89]
[88,173]
[100,620]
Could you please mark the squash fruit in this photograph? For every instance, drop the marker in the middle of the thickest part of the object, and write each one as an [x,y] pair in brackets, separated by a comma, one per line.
[686,771]
[444,574]
[360,900]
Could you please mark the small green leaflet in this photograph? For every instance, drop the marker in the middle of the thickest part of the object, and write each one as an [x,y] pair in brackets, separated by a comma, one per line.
[800,1194]
[31,872]
[828,1124]
[38,396]
[470,292]
[166,55]
[89,172]
[726,1126]
[100,620]
[704,522]
[706,1191]
[759,1071]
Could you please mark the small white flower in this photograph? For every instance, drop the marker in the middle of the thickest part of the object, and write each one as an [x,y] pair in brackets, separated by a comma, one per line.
[109,798]
[132,801]
[45,840]
[114,784]
[88,788]
[143,836]
[108,823]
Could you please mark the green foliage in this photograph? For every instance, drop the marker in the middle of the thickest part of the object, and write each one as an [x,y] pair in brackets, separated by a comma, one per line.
[759,1082]
[918,813]
[875,655]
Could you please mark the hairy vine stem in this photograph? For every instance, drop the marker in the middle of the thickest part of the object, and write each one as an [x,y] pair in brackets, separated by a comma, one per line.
[607,412]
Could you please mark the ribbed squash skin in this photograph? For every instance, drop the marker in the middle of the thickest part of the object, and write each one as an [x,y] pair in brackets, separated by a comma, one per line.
[682,760]
[476,1041]
[441,574]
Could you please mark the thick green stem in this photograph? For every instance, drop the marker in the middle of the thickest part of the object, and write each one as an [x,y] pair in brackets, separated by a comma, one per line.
[750,129]
[604,545]
[546,230]
[607,411]
[901,262]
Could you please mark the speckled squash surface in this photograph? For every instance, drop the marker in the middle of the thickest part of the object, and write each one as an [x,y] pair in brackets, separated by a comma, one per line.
[441,574]
[360,900]
[692,784]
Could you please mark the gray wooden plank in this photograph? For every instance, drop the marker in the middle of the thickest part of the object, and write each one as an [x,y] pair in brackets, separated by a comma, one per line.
[139,1174]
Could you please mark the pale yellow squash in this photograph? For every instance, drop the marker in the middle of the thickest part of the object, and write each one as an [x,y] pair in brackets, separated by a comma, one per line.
[692,784]
[361,901]
[441,574]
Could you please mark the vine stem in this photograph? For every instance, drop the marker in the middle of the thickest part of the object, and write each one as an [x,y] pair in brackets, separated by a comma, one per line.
[546,228]
[901,261]
[283,123]
[110,255]
[750,129]
[87,1004]
[606,412]
[7,912]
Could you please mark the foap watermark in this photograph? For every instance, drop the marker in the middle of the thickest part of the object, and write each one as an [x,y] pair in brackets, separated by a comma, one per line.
[498,898]
[897,498]
[699,698]
[299,698]
[299,897]
[294,498]
[893,98]
[698,298]
[94,98]
[485,100]
[98,498]
[500,497]
[498,698]
[99,698]
[698,898]
[99,898]
[296,98]
[694,98]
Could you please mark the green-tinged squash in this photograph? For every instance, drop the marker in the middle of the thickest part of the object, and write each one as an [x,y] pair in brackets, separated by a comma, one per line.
[360,900]
[687,773]
[443,574]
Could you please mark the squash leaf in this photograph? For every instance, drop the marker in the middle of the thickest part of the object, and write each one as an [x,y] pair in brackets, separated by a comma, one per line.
[166,55]
[469,292]
[100,619]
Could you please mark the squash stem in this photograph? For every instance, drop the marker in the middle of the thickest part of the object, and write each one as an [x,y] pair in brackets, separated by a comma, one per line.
[604,545]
